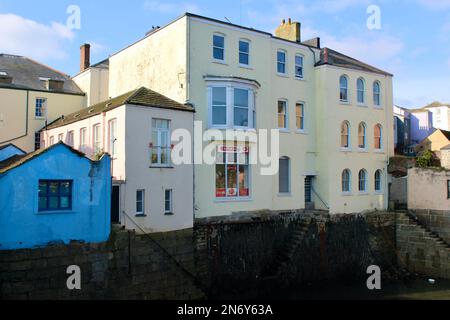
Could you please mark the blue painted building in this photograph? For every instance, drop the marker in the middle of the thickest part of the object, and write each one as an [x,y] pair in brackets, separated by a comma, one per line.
[10,150]
[54,195]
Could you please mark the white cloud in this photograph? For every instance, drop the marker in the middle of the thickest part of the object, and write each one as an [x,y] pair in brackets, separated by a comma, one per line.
[170,7]
[97,48]
[435,4]
[26,37]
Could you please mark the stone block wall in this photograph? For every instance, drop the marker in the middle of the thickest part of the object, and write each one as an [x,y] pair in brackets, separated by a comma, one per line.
[437,221]
[419,251]
[128,266]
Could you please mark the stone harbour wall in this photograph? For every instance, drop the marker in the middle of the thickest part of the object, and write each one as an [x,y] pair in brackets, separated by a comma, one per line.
[128,266]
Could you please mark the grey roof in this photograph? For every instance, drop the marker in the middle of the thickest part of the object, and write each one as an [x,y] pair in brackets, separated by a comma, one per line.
[334,58]
[140,97]
[26,74]
[447,147]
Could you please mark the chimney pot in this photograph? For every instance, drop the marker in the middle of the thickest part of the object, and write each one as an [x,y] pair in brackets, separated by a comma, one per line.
[85,56]
[283,21]
[290,21]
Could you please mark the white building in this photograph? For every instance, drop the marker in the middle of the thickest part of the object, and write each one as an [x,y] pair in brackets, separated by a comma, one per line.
[148,194]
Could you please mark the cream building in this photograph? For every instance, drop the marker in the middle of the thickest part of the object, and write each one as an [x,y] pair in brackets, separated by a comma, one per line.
[334,113]
[149,193]
[31,95]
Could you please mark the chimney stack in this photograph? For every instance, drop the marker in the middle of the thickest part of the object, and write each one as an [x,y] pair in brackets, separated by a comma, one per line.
[85,57]
[289,31]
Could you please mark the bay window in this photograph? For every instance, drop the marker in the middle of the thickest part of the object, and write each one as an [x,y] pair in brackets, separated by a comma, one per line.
[232,172]
[231,106]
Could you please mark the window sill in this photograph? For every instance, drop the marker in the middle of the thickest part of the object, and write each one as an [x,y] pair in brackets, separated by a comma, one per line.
[363,193]
[346,149]
[362,105]
[380,151]
[140,215]
[235,199]
[378,107]
[39,118]
[284,130]
[304,132]
[244,66]
[379,193]
[43,213]
[161,167]
[347,194]
[300,79]
[344,103]
[361,150]
[283,75]
[284,195]
[169,213]
[222,62]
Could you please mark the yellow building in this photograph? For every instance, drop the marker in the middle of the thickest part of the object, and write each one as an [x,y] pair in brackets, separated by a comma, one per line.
[31,95]
[334,113]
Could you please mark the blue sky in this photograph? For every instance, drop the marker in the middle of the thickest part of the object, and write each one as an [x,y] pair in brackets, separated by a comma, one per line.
[413,42]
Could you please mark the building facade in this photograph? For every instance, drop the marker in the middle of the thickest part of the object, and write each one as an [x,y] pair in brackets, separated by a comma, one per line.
[38,94]
[149,192]
[334,113]
[53,195]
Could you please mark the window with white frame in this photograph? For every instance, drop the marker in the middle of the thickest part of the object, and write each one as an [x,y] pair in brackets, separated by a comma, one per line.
[70,138]
[346,181]
[281,61]
[376,93]
[244,52]
[218,47]
[231,106]
[282,114]
[361,90]
[345,135]
[362,135]
[51,141]
[284,183]
[232,172]
[378,178]
[96,142]
[343,86]
[41,107]
[60,137]
[362,181]
[377,135]
[300,116]
[168,201]
[83,143]
[299,66]
[140,201]
[160,142]
[112,128]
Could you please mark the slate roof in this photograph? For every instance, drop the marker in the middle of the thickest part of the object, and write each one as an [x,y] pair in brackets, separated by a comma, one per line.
[447,147]
[18,160]
[446,134]
[11,145]
[141,97]
[26,74]
[334,58]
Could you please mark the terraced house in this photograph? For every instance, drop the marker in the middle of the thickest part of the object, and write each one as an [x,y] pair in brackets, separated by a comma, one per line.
[32,95]
[334,114]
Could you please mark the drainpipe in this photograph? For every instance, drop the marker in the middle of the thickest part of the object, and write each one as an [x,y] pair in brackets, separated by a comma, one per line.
[388,149]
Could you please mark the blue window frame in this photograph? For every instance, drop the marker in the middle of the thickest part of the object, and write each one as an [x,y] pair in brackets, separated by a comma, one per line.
[40,107]
[55,195]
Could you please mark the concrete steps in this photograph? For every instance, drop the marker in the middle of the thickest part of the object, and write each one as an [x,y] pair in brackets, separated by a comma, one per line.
[427,232]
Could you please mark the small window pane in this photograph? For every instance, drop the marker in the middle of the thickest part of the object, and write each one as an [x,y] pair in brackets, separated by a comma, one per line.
[284,176]
[53,203]
[53,188]
[219,96]
[42,203]
[219,115]
[219,41]
[65,202]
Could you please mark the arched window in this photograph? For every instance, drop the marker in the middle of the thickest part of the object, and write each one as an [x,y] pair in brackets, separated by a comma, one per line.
[284,176]
[378,176]
[345,135]
[362,135]
[361,90]
[346,180]
[377,135]
[362,178]
[343,85]
[376,93]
